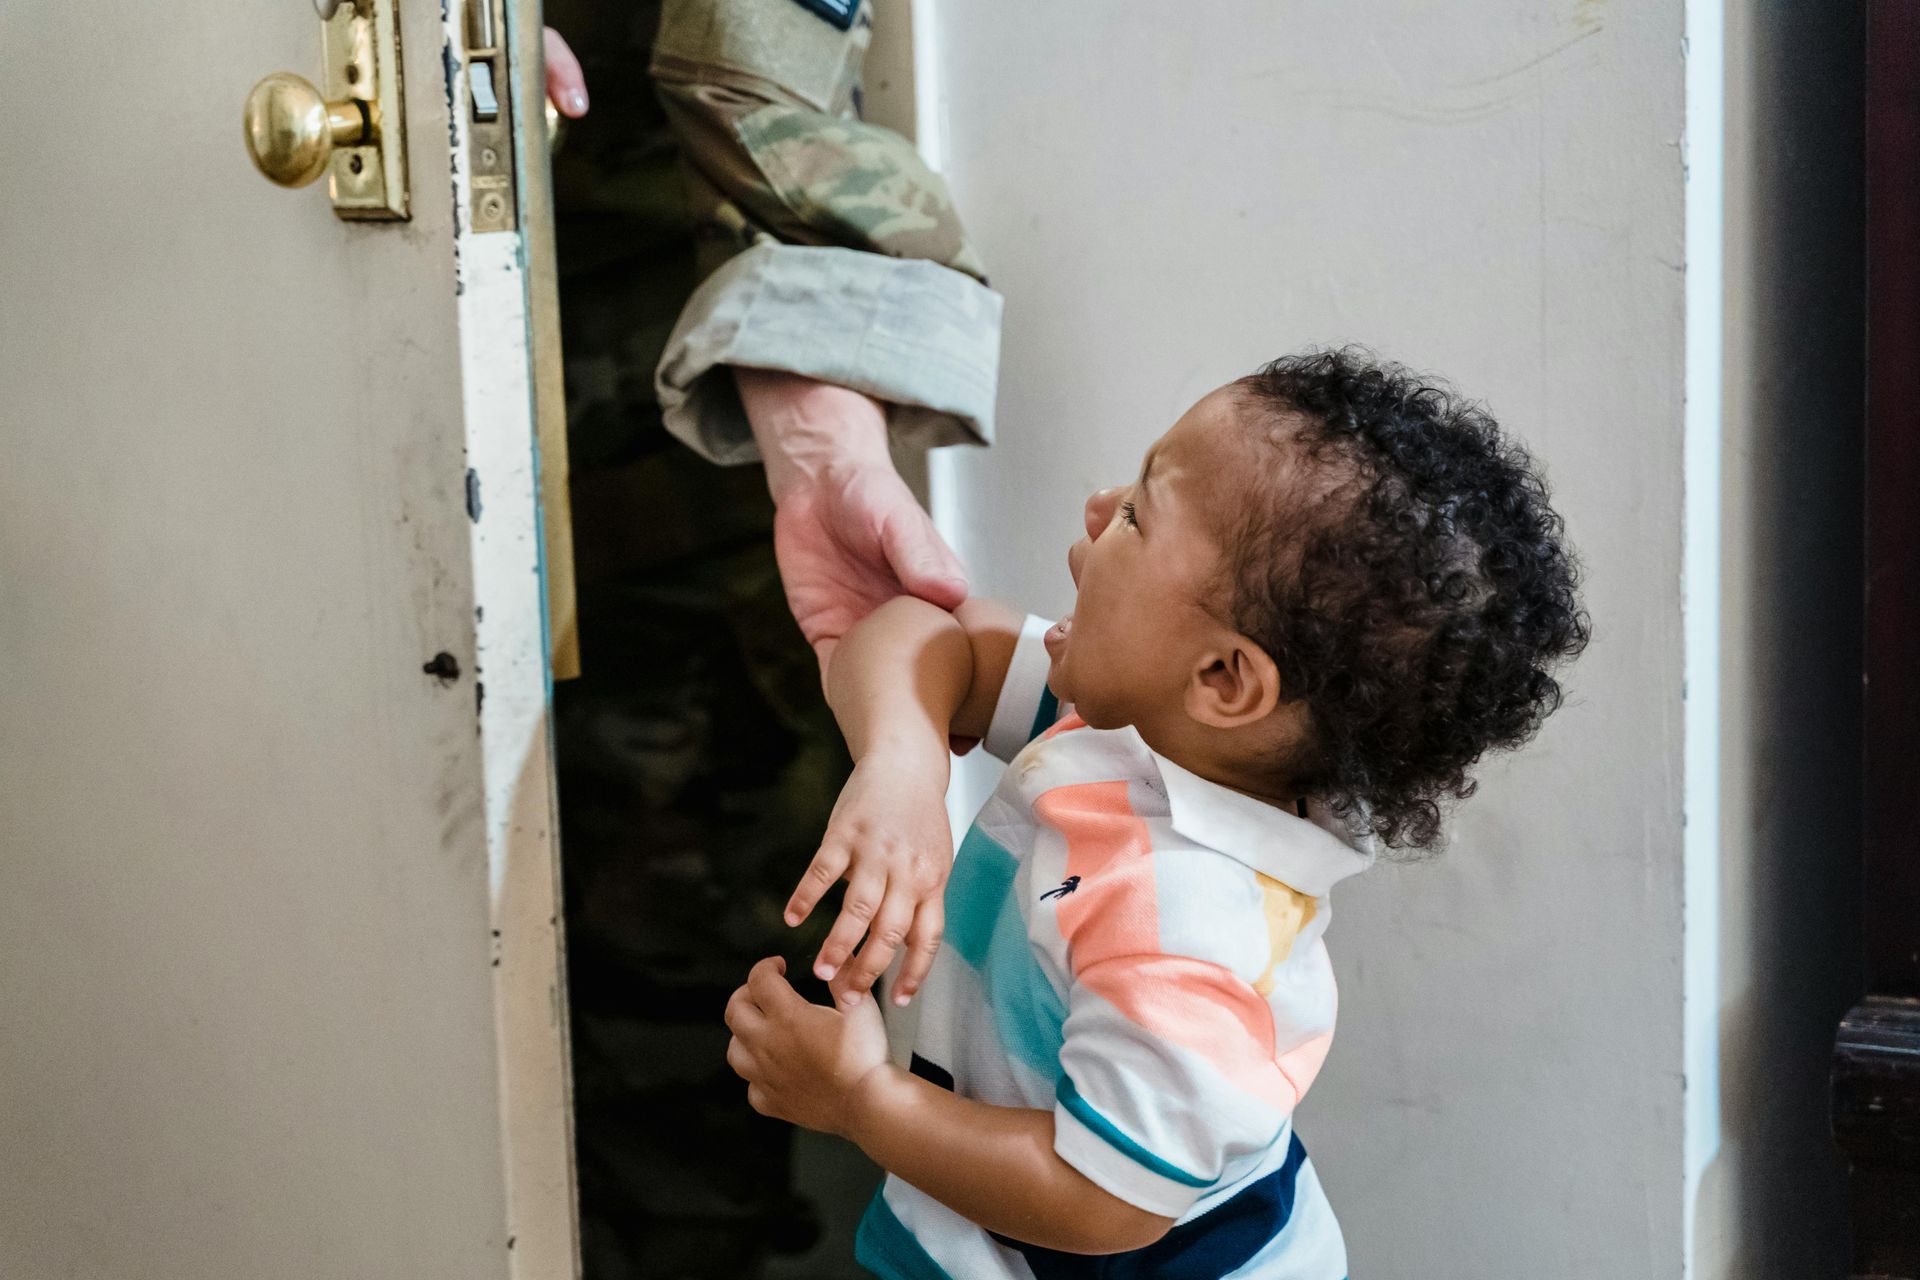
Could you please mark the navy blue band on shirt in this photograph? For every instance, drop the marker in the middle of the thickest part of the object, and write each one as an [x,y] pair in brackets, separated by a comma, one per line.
[1210,1247]
[931,1072]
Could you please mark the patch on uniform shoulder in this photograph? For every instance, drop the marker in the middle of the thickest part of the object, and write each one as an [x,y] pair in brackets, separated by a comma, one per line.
[838,12]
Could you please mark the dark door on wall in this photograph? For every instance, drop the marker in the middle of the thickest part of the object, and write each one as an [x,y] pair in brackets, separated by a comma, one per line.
[1876,1096]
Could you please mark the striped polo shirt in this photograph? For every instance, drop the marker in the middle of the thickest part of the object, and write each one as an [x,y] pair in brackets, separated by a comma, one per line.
[1139,951]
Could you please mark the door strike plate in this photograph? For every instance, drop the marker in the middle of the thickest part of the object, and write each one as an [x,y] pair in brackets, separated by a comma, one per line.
[489,102]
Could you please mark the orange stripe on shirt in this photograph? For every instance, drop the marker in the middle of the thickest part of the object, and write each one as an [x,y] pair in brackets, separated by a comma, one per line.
[1203,1007]
[1113,911]
[1303,1062]
[1112,927]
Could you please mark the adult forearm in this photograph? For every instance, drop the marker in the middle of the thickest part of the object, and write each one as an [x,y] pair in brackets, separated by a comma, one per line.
[806,429]
[993,1165]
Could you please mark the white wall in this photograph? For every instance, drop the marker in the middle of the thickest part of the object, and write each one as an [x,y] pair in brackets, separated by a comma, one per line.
[1168,195]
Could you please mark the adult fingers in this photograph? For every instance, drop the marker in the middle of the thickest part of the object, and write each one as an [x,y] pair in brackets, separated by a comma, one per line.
[827,866]
[760,1100]
[923,943]
[925,565]
[889,930]
[566,82]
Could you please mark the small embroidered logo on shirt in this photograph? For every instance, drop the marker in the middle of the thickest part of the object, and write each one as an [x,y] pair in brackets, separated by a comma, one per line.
[1067,886]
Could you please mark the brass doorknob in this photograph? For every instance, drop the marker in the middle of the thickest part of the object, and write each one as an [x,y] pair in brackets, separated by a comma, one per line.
[292,130]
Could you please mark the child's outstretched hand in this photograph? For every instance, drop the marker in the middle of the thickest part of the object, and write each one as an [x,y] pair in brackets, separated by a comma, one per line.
[888,838]
[803,1062]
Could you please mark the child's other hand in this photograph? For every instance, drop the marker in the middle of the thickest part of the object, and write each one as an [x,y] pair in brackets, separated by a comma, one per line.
[803,1062]
[889,839]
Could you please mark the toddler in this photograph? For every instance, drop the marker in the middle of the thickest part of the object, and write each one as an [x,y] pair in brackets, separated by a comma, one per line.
[1331,589]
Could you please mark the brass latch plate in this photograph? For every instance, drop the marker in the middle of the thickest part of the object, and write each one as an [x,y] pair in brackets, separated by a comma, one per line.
[363,61]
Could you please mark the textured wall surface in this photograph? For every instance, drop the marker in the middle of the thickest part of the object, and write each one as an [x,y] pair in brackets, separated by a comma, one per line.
[1167,196]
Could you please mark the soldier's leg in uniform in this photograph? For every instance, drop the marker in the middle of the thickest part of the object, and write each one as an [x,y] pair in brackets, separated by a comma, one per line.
[697,760]
[700,770]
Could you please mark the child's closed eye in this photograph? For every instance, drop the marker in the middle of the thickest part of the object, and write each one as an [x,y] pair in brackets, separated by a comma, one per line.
[1126,513]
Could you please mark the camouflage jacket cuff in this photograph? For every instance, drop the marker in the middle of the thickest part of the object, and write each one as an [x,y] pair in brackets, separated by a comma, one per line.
[920,336]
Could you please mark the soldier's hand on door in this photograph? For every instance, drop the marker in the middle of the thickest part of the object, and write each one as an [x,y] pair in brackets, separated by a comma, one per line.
[888,839]
[566,82]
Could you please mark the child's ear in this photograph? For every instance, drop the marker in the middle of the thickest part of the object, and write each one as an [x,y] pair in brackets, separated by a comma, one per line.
[1234,685]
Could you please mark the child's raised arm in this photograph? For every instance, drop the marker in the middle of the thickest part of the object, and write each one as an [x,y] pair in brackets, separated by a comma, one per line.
[902,682]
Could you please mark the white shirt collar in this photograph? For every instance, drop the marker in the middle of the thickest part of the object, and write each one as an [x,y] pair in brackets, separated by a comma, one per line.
[1306,854]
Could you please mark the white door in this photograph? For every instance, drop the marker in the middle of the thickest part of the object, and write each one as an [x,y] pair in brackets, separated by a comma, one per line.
[279,982]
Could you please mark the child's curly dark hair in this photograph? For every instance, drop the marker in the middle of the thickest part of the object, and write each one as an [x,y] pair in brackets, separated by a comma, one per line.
[1413,587]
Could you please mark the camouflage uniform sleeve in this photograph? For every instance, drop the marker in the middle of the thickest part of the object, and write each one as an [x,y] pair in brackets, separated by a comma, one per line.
[829,249]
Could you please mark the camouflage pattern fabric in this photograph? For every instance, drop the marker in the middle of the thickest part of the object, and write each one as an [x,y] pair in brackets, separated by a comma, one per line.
[827,245]
[783,157]
[697,760]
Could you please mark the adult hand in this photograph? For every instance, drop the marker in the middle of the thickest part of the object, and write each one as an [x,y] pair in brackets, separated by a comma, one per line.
[853,541]
[847,532]
[566,83]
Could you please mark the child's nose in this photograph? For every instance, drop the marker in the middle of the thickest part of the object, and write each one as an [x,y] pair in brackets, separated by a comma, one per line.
[1099,511]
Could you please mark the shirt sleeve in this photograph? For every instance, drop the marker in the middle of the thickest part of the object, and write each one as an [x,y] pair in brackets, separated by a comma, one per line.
[1026,708]
[834,252]
[1169,1082]
[921,337]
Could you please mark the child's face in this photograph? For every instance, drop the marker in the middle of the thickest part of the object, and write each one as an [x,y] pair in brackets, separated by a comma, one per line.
[1148,570]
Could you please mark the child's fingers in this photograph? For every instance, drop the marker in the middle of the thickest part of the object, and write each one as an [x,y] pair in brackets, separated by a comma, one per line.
[767,987]
[865,890]
[883,939]
[827,866]
[743,1016]
[839,991]
[741,1059]
[923,943]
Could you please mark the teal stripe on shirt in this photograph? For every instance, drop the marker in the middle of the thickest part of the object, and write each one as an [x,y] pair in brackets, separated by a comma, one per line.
[1105,1129]
[1049,712]
[885,1247]
[987,929]
[978,890]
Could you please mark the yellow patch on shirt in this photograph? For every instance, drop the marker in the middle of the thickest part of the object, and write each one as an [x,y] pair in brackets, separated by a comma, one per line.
[1288,911]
